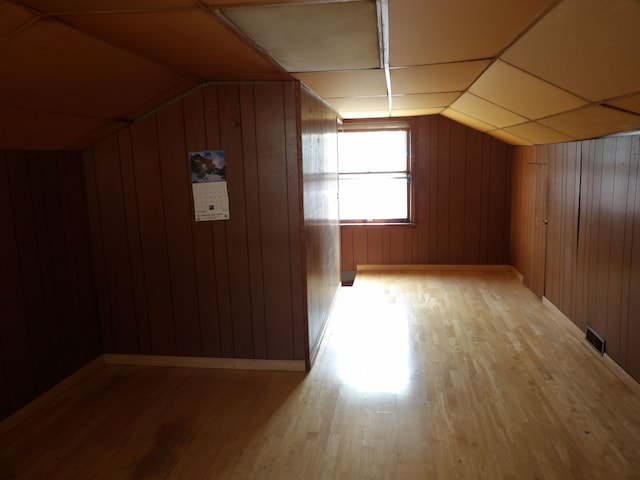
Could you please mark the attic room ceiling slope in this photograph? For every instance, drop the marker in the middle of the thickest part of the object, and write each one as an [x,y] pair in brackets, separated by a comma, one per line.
[534,72]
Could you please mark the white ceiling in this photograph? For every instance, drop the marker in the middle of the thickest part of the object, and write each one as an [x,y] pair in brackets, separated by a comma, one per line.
[527,72]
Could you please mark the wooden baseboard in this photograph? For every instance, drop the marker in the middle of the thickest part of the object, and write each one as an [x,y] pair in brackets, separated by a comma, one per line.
[47,397]
[517,274]
[609,362]
[428,267]
[204,362]
[142,360]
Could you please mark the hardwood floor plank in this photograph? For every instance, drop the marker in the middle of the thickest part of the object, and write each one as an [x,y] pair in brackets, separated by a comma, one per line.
[421,375]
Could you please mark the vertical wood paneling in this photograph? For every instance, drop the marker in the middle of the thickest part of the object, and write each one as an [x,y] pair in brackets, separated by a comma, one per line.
[98,249]
[529,207]
[176,179]
[129,195]
[591,265]
[633,325]
[462,203]
[562,231]
[253,212]
[472,197]
[29,255]
[116,249]
[148,178]
[458,187]
[421,163]
[86,336]
[48,317]
[293,144]
[374,245]
[16,346]
[230,288]
[237,247]
[442,211]
[346,249]
[272,171]
[219,232]
[205,271]
[498,206]
[321,229]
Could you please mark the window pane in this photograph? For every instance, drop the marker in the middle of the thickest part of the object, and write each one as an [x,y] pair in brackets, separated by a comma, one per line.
[372,151]
[373,196]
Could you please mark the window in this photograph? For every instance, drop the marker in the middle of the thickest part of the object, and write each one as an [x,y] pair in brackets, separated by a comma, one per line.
[374,176]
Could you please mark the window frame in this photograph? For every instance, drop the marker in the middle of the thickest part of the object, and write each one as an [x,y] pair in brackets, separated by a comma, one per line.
[383,125]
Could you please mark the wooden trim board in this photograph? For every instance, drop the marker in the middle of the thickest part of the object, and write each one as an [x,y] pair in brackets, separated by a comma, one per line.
[142,360]
[427,267]
[205,362]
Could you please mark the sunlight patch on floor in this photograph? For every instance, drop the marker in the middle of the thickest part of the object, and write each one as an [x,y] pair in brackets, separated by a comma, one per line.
[371,344]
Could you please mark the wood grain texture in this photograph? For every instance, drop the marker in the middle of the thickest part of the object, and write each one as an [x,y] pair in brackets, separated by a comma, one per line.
[422,375]
[592,242]
[48,317]
[461,203]
[529,212]
[168,285]
[321,229]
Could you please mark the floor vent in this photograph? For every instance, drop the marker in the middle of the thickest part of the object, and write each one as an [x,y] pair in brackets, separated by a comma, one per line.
[596,340]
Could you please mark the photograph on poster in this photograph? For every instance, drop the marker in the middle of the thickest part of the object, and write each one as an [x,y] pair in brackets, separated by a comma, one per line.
[207,166]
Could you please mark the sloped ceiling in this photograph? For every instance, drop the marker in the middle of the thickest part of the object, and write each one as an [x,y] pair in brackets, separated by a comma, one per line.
[527,72]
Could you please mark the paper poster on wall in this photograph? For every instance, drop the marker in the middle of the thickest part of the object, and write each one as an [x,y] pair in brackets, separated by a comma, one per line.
[209,183]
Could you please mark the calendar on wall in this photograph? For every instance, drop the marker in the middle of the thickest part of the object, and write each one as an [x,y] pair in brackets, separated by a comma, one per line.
[209,183]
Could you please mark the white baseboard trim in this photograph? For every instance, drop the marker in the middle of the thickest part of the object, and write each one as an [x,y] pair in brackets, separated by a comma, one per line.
[205,362]
[429,267]
[48,396]
[616,369]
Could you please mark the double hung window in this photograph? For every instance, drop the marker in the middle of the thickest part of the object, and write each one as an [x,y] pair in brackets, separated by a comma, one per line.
[374,180]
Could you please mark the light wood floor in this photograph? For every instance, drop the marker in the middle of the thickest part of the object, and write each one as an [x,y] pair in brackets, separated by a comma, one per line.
[438,375]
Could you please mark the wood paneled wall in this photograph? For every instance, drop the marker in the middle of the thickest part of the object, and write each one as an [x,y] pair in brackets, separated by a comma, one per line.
[171,286]
[592,259]
[462,203]
[528,238]
[48,318]
[321,228]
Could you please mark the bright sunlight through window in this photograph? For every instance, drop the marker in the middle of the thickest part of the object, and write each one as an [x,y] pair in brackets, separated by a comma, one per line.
[374,175]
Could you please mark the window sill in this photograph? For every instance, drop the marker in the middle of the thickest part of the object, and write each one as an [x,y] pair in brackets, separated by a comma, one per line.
[381,224]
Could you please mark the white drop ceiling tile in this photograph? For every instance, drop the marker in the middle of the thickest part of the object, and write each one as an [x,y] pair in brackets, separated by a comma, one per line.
[359,104]
[435,31]
[350,83]
[486,111]
[467,120]
[630,103]
[182,39]
[12,17]
[509,138]
[424,100]
[413,112]
[523,93]
[593,121]
[538,134]
[313,37]
[588,47]
[449,77]
[364,114]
